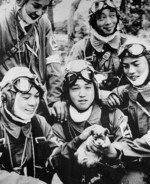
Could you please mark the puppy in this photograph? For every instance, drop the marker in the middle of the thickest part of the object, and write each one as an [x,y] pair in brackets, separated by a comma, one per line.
[87,156]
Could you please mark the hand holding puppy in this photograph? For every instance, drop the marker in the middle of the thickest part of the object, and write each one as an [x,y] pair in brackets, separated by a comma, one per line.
[97,144]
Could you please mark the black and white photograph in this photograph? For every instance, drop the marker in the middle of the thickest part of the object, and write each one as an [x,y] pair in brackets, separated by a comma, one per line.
[74,91]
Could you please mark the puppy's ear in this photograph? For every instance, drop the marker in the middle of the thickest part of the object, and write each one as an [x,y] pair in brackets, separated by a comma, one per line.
[106,132]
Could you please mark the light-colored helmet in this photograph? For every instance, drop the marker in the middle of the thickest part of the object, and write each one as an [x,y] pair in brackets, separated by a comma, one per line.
[134,47]
[101,4]
[18,79]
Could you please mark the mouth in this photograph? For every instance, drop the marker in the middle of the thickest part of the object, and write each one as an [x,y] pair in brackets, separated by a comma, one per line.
[109,28]
[34,16]
[30,111]
[133,78]
[82,101]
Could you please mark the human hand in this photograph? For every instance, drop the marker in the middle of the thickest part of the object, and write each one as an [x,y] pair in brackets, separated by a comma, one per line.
[101,146]
[59,110]
[113,100]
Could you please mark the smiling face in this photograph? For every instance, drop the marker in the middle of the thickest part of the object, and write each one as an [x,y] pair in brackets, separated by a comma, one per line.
[82,94]
[36,8]
[135,67]
[106,21]
[25,105]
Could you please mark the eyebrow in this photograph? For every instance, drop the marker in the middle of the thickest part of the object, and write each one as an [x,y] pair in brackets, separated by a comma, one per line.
[132,62]
[37,2]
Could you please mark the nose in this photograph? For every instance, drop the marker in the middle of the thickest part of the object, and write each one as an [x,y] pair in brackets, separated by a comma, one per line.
[39,12]
[32,101]
[82,92]
[108,20]
[131,69]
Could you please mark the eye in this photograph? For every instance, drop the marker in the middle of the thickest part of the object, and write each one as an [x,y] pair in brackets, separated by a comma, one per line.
[36,6]
[113,15]
[125,66]
[26,96]
[88,87]
[37,95]
[136,64]
[101,17]
[45,7]
[75,88]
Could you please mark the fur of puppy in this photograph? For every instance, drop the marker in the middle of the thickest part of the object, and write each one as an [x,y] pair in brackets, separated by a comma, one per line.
[85,155]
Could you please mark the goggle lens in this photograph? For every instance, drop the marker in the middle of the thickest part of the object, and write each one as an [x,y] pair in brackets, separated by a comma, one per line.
[86,74]
[133,50]
[99,4]
[24,84]
[136,49]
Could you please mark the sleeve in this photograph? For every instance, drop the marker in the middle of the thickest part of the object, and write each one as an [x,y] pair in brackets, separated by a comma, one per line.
[54,77]
[139,147]
[53,141]
[54,83]
[67,148]
[120,128]
[12,177]
[77,51]
[63,159]
[121,92]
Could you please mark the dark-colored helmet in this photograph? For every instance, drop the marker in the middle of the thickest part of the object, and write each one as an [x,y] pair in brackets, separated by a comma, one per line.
[97,6]
[78,69]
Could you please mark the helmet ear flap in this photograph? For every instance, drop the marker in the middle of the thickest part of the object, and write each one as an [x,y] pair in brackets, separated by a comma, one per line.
[3,97]
[7,98]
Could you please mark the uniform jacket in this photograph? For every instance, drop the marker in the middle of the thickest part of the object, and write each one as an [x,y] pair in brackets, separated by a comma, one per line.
[103,60]
[137,106]
[65,161]
[44,61]
[24,150]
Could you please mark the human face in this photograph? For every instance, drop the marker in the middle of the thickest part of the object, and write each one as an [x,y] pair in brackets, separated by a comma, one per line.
[135,67]
[25,105]
[106,21]
[36,8]
[82,94]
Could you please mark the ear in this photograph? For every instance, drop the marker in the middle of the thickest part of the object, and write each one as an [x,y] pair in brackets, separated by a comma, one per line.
[3,97]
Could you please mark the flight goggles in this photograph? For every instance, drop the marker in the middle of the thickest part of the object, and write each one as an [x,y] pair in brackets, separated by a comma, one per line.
[133,50]
[86,74]
[24,84]
[100,4]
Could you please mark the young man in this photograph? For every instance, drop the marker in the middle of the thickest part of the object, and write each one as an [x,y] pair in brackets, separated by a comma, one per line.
[103,43]
[26,39]
[26,139]
[81,93]
[134,99]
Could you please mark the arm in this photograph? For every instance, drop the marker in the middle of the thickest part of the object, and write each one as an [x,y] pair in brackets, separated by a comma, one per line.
[118,97]
[73,8]
[68,149]
[77,51]
[121,132]
[54,75]
[140,147]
